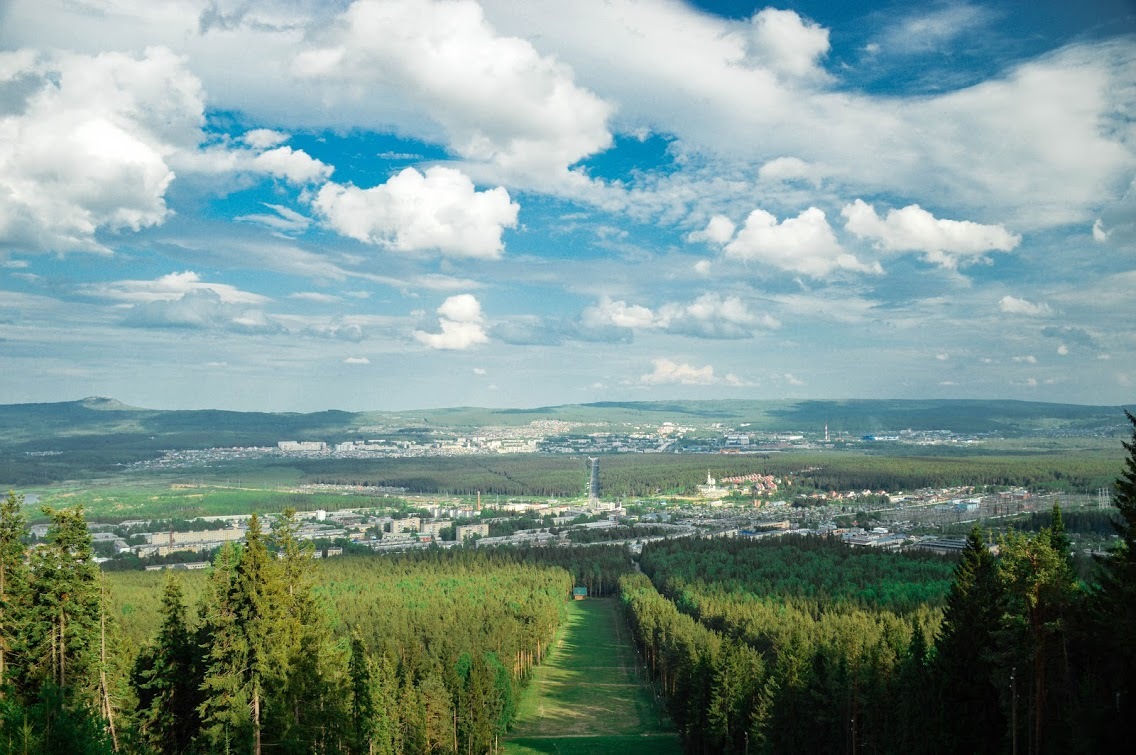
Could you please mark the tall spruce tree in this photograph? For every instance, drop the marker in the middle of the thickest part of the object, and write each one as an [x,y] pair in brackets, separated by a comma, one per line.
[13,578]
[1038,592]
[306,699]
[363,703]
[64,636]
[63,627]
[1115,612]
[969,713]
[167,679]
[1058,537]
[253,605]
[225,704]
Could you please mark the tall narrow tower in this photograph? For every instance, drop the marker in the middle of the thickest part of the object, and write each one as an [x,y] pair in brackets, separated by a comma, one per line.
[594,480]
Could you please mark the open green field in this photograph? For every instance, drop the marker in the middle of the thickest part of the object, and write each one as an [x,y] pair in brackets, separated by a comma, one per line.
[158,500]
[587,697]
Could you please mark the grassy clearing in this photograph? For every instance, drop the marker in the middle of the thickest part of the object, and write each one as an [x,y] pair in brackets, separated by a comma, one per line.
[117,503]
[654,744]
[586,696]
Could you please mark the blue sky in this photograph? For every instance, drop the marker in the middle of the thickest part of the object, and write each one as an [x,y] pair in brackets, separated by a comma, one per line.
[299,205]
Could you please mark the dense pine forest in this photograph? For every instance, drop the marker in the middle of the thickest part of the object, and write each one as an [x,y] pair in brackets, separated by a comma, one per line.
[767,647]
[276,652]
[752,646]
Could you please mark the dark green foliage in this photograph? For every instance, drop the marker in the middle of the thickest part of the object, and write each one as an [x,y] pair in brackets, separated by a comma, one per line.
[778,647]
[968,711]
[809,567]
[167,679]
[597,567]
[58,647]
[607,534]
[13,577]
[61,629]
[1114,616]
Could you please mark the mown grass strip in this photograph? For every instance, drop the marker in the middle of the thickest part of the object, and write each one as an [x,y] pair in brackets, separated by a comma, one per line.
[586,697]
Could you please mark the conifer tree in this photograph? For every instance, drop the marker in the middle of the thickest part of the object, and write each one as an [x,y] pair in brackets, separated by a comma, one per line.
[438,716]
[64,637]
[969,703]
[373,707]
[225,704]
[63,627]
[13,578]
[1115,609]
[253,596]
[363,704]
[1058,538]
[306,699]
[1038,589]
[168,679]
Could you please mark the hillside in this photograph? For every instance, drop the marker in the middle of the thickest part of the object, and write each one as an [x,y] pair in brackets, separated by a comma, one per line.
[70,424]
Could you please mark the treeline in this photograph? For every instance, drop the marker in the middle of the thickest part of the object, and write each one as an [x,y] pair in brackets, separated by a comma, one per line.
[1024,659]
[1084,521]
[606,534]
[644,475]
[1082,472]
[384,655]
[597,567]
[775,664]
[810,567]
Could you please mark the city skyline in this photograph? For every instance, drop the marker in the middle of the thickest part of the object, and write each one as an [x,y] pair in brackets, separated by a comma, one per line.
[394,204]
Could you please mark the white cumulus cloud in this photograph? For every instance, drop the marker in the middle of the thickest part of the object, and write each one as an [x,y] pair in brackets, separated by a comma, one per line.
[295,166]
[460,322]
[497,99]
[264,138]
[713,316]
[913,229]
[356,360]
[788,44]
[88,147]
[708,316]
[200,309]
[439,210]
[1015,306]
[619,314]
[805,244]
[719,230]
[789,169]
[669,372]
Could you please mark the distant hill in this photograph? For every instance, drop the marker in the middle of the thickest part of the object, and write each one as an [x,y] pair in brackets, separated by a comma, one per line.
[854,416]
[75,421]
[98,415]
[43,443]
